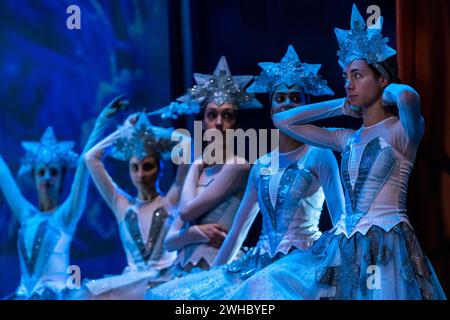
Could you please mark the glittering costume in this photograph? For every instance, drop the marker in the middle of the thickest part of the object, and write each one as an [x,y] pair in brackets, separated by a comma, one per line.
[290,200]
[219,187]
[288,188]
[143,225]
[372,253]
[44,237]
[195,253]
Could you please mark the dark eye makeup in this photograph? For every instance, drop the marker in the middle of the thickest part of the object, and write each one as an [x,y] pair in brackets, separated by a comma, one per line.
[294,97]
[148,166]
[211,115]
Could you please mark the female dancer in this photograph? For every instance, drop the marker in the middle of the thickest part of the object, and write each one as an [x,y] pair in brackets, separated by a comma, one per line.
[289,185]
[214,185]
[46,232]
[143,220]
[373,252]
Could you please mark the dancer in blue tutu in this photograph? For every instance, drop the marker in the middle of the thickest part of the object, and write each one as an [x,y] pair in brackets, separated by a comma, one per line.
[373,252]
[143,220]
[288,185]
[46,231]
[214,185]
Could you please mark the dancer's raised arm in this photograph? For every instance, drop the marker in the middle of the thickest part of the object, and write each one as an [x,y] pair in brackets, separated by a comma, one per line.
[408,102]
[16,201]
[294,123]
[74,205]
[103,181]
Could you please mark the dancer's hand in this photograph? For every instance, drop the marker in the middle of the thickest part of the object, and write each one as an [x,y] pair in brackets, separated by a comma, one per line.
[352,111]
[215,233]
[132,119]
[116,105]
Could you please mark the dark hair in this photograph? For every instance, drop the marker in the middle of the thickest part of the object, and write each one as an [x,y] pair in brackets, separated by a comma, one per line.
[390,66]
[158,159]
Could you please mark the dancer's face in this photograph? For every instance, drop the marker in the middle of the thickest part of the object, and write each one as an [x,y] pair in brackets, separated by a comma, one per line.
[285,98]
[48,179]
[362,85]
[144,173]
[219,117]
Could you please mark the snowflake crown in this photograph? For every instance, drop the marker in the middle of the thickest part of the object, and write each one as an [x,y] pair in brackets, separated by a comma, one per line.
[47,150]
[290,71]
[362,42]
[219,87]
[143,140]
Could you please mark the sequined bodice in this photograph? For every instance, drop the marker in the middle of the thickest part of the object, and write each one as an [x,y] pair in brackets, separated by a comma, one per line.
[141,252]
[375,177]
[291,213]
[43,247]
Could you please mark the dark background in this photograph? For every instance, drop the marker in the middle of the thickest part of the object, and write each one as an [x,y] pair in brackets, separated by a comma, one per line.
[148,49]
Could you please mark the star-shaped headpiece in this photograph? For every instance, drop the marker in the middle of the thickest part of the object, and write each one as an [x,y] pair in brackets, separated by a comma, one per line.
[143,140]
[361,42]
[46,151]
[220,87]
[290,71]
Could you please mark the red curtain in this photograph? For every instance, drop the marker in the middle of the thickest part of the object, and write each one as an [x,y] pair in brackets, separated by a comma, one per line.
[423,44]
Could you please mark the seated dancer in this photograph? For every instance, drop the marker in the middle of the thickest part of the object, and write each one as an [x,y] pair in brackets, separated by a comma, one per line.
[46,232]
[213,188]
[373,252]
[143,220]
[289,185]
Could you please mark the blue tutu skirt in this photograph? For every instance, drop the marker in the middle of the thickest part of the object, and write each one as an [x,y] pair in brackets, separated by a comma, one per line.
[218,283]
[377,266]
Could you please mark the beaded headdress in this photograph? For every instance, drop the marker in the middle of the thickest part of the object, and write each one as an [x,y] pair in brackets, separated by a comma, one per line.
[220,87]
[48,150]
[362,42]
[143,140]
[290,71]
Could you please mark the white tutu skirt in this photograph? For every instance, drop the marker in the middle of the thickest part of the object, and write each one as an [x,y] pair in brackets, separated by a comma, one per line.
[130,285]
